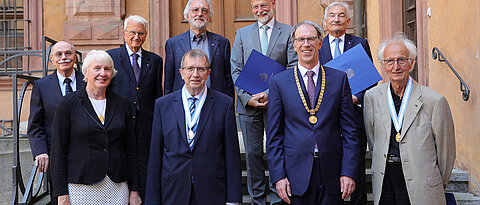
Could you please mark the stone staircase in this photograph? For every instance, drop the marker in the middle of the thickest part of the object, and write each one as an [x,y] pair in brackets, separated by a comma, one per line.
[458,184]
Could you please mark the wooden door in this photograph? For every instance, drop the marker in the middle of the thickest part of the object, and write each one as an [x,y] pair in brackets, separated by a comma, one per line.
[228,16]
[410,27]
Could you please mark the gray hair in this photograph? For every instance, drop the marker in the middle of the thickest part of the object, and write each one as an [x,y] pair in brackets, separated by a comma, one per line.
[71,44]
[311,23]
[100,56]
[338,3]
[136,19]
[187,7]
[398,37]
[195,53]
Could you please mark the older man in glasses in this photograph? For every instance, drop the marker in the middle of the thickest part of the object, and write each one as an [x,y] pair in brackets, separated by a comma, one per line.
[195,158]
[410,129]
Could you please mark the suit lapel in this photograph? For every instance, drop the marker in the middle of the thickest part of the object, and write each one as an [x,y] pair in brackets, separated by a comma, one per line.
[54,85]
[212,46]
[385,111]
[180,113]
[302,84]
[111,107]
[254,35]
[88,107]
[146,65]
[325,50]
[79,80]
[414,105]
[204,116]
[276,31]
[125,62]
[185,42]
[348,43]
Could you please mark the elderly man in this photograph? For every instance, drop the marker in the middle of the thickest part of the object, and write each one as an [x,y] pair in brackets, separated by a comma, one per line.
[199,15]
[139,79]
[45,96]
[336,19]
[312,147]
[195,157]
[273,40]
[410,128]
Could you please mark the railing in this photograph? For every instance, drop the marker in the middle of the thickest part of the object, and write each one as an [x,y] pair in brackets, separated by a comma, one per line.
[438,55]
[31,193]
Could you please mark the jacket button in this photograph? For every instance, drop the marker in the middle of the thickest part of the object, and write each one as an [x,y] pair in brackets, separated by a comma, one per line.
[135,102]
[384,155]
[314,131]
[381,173]
[138,88]
[105,150]
[133,117]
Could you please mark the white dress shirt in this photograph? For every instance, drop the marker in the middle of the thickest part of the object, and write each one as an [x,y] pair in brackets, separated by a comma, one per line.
[332,42]
[61,78]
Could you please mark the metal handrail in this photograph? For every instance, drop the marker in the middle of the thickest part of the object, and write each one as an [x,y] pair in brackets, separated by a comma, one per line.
[438,55]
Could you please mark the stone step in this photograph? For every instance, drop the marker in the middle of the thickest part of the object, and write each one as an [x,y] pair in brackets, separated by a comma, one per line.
[458,181]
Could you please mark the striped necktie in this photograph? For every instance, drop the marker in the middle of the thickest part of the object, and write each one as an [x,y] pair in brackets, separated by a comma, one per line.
[192,112]
[68,87]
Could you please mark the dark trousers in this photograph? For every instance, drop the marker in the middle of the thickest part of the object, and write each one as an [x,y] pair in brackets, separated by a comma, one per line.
[359,196]
[143,151]
[53,200]
[316,193]
[394,189]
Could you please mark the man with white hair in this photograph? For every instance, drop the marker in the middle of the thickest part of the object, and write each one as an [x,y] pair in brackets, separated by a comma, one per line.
[336,19]
[199,15]
[139,79]
[410,129]
[272,39]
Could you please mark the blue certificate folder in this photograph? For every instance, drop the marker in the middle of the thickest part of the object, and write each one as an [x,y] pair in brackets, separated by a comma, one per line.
[359,68]
[257,72]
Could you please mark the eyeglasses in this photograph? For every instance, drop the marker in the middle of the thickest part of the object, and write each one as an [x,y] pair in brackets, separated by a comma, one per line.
[263,6]
[59,54]
[400,61]
[310,39]
[196,10]
[190,70]
[134,33]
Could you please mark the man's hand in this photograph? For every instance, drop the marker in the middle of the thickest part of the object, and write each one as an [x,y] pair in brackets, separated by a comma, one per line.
[283,189]
[355,100]
[63,200]
[134,198]
[41,161]
[347,186]
[259,100]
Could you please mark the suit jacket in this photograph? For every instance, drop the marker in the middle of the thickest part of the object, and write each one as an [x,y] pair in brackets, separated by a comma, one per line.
[427,145]
[213,166]
[280,49]
[325,56]
[219,51]
[45,96]
[84,150]
[291,137]
[142,94]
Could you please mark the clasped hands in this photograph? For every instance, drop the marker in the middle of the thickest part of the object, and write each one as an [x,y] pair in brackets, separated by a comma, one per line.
[259,100]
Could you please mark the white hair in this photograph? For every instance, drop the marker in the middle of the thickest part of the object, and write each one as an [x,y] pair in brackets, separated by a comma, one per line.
[338,3]
[187,7]
[136,19]
[100,56]
[398,37]
[311,23]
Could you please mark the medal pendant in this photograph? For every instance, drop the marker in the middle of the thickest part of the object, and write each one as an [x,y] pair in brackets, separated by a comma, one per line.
[190,135]
[312,119]
[102,119]
[397,137]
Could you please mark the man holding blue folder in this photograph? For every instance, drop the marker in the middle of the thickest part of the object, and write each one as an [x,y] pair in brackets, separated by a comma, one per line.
[272,39]
[336,20]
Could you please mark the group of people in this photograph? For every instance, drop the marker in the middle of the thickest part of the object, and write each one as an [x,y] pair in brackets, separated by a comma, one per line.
[114,135]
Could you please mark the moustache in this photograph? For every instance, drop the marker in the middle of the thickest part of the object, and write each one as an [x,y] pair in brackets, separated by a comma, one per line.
[199,17]
[338,24]
[64,61]
[262,13]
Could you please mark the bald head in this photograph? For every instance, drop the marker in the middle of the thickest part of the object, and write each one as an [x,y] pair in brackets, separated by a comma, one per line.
[63,57]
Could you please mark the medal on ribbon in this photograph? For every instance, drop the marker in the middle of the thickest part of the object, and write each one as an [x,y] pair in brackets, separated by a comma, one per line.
[398,118]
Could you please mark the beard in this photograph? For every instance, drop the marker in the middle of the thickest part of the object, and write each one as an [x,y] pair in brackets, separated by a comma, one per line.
[199,24]
[264,19]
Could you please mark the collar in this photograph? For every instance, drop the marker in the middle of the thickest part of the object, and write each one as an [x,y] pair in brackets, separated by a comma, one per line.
[331,38]
[61,78]
[199,96]
[130,52]
[204,35]
[269,24]
[303,70]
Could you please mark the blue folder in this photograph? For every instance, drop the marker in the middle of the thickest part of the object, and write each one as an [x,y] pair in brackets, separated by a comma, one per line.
[359,68]
[257,72]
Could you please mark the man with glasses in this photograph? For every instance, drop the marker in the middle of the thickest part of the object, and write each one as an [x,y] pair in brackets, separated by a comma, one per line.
[139,79]
[336,19]
[46,93]
[199,14]
[312,147]
[410,129]
[195,158]
[272,39]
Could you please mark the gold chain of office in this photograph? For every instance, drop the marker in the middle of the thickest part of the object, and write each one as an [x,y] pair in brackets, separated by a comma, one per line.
[312,119]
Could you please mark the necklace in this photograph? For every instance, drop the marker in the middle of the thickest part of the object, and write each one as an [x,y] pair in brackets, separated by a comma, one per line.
[312,119]
[99,112]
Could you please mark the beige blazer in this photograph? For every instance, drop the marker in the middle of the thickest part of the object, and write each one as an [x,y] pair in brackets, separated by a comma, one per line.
[427,145]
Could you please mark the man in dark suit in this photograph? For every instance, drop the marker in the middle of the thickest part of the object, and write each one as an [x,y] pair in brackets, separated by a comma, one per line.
[195,158]
[336,20]
[312,147]
[139,79]
[199,15]
[45,95]
[272,39]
